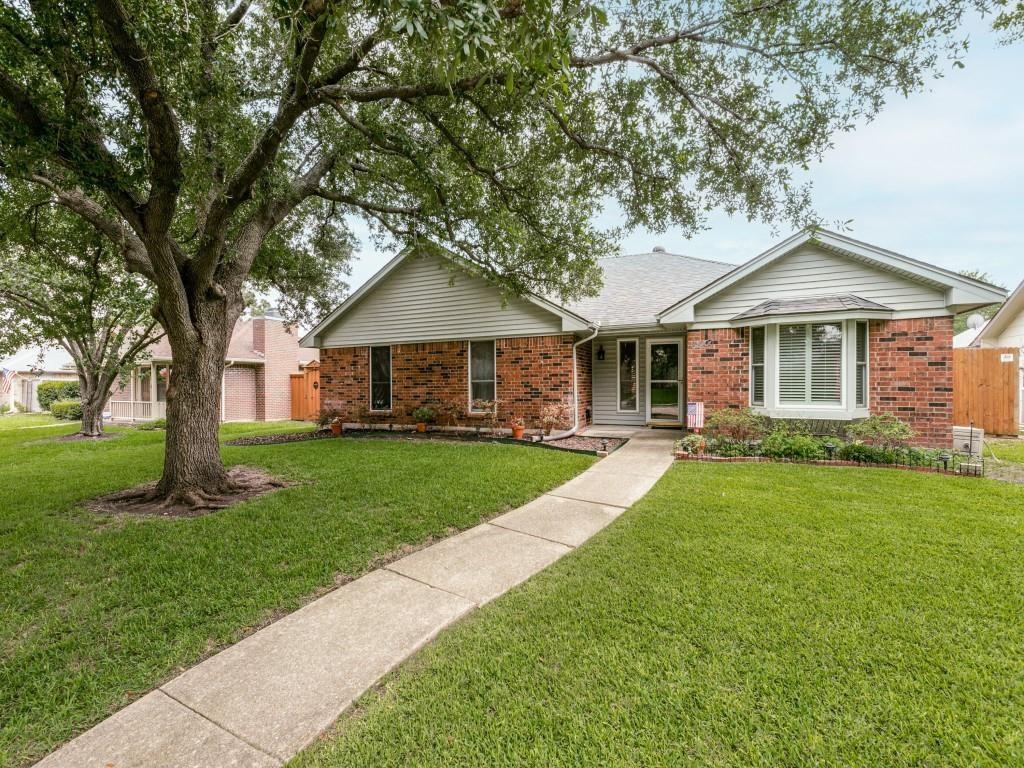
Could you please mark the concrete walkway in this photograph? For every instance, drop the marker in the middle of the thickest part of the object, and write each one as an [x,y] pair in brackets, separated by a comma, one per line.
[261,701]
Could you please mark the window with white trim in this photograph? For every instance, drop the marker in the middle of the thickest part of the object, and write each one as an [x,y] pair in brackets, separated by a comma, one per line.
[380,378]
[862,364]
[482,382]
[757,365]
[629,384]
[811,364]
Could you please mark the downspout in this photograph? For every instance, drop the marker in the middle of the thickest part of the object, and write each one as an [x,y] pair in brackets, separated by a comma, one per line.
[575,392]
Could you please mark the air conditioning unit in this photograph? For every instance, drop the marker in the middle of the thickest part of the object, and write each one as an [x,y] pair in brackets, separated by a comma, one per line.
[968,440]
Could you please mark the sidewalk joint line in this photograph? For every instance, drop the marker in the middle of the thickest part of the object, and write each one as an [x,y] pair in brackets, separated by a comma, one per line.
[587,501]
[226,730]
[532,535]
[389,569]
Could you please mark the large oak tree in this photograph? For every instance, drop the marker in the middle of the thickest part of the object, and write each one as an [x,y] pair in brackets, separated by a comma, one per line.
[205,140]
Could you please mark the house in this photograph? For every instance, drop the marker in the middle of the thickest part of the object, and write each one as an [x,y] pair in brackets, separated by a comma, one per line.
[262,355]
[22,373]
[1006,329]
[820,326]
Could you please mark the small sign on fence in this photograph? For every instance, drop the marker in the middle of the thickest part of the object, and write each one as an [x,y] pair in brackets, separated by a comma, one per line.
[695,415]
[1006,357]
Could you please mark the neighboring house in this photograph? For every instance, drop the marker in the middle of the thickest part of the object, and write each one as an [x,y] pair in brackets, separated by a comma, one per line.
[820,326]
[22,373]
[975,325]
[1006,329]
[262,355]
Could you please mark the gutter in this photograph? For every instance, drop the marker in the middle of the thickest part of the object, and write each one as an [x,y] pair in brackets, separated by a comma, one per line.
[575,393]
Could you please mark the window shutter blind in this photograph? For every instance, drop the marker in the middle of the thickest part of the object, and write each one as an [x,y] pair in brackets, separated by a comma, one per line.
[826,363]
[793,363]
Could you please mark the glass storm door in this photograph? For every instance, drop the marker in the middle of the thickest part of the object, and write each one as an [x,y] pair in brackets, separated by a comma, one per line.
[663,380]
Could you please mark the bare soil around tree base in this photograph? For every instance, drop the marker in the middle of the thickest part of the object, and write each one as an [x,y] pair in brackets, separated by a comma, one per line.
[78,436]
[243,483]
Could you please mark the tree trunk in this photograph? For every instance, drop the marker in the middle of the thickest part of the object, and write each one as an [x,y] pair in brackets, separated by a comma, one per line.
[92,414]
[193,471]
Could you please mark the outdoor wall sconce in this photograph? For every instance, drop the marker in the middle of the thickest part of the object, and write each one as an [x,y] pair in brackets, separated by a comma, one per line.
[600,351]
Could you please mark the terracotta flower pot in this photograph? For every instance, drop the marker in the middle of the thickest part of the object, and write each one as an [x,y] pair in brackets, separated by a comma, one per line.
[517,431]
[335,428]
[421,426]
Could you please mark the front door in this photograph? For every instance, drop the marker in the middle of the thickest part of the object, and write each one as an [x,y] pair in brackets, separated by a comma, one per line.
[663,380]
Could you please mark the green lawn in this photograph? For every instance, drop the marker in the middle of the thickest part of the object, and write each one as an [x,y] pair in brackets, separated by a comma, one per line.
[95,611]
[739,615]
[21,420]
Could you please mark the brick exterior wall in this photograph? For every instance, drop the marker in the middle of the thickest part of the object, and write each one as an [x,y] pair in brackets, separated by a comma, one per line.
[530,372]
[911,375]
[718,368]
[585,382]
[240,393]
[279,345]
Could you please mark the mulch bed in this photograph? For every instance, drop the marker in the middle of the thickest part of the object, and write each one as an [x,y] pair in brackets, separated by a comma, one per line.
[576,443]
[247,483]
[78,436]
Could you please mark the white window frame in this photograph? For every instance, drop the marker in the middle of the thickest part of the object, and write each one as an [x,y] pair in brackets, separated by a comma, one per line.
[763,364]
[855,326]
[847,409]
[618,375]
[391,378]
[469,373]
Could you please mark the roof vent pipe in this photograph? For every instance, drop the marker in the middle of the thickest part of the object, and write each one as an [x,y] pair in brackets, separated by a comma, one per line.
[658,249]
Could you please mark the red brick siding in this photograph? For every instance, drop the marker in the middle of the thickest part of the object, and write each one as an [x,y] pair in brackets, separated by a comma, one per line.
[279,345]
[717,368]
[911,375]
[530,372]
[240,401]
[584,380]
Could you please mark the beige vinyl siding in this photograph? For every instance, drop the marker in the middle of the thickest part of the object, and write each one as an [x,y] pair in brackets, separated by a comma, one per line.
[1013,334]
[605,382]
[813,271]
[419,302]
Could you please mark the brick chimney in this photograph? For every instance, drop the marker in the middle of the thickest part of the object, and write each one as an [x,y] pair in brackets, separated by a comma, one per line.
[279,345]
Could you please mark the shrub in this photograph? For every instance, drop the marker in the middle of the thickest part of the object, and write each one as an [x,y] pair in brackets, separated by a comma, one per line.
[154,424]
[5,407]
[782,444]
[554,415]
[726,446]
[883,429]
[737,424]
[328,416]
[868,454]
[692,443]
[69,410]
[424,414]
[20,407]
[49,392]
[450,411]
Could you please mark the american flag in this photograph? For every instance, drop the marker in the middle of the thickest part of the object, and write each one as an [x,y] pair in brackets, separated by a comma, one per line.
[695,415]
[6,377]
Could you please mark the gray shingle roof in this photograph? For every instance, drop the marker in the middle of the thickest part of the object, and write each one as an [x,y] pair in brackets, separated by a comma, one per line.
[639,286]
[839,303]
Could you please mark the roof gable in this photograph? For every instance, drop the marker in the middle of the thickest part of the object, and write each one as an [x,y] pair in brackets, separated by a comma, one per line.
[958,292]
[1001,320]
[429,296]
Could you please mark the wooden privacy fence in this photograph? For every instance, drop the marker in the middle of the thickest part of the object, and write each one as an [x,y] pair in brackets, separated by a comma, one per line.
[986,389]
[306,393]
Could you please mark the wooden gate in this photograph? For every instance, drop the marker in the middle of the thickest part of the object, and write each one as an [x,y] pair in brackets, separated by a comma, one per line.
[306,393]
[986,389]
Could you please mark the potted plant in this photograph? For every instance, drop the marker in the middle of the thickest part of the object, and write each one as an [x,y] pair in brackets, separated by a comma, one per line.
[422,416]
[518,427]
[331,419]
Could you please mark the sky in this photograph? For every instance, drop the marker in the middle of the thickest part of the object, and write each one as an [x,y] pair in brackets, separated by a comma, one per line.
[937,176]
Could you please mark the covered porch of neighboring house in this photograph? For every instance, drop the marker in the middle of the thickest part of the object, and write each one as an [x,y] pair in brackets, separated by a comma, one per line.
[143,396]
